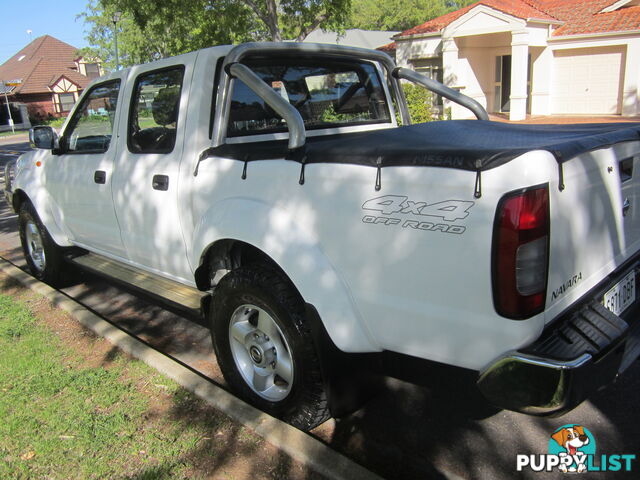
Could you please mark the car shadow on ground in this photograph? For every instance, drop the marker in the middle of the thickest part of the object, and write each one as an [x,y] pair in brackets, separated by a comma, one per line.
[408,431]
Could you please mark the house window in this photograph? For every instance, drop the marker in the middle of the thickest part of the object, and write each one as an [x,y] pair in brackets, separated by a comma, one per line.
[92,70]
[502,84]
[432,68]
[66,102]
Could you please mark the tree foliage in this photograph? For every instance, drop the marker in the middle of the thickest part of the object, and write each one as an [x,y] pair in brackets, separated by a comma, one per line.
[419,102]
[295,19]
[152,29]
[399,14]
[149,30]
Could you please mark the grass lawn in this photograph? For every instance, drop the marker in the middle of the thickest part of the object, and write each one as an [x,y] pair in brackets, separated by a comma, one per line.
[72,406]
[10,133]
[147,122]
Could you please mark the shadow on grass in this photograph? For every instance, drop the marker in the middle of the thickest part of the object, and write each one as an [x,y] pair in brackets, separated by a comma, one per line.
[225,450]
[199,441]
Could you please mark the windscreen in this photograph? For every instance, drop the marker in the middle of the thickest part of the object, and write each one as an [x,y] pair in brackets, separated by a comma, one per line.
[327,93]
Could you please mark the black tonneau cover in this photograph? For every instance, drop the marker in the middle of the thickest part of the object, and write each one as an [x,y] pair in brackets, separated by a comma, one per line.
[462,144]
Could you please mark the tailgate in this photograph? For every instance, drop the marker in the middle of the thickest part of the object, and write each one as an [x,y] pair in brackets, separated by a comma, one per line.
[595,227]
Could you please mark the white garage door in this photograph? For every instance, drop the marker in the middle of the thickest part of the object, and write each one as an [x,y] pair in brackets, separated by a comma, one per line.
[587,81]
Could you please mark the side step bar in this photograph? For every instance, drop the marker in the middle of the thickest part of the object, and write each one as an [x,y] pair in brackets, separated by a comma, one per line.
[182,296]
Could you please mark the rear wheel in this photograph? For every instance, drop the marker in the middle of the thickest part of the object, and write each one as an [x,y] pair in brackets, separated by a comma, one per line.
[265,348]
[43,256]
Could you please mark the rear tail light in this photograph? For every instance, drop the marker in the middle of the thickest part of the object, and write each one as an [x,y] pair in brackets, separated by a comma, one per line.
[520,253]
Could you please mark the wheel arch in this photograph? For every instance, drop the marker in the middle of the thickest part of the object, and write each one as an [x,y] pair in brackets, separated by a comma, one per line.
[20,197]
[228,254]
[320,287]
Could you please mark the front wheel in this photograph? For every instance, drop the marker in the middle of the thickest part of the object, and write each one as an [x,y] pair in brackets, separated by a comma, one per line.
[265,348]
[43,256]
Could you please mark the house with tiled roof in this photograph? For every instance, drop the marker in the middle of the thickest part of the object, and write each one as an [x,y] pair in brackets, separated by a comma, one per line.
[537,57]
[47,76]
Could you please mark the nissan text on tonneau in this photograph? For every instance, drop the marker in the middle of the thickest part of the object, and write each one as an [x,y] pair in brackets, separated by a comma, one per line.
[281,190]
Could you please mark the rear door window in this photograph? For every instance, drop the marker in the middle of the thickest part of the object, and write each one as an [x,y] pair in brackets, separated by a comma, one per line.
[154,111]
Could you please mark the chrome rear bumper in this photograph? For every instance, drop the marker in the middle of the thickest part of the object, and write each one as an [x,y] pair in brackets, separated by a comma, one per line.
[578,354]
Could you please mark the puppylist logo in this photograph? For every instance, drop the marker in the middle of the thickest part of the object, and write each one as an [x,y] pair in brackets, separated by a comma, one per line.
[572,449]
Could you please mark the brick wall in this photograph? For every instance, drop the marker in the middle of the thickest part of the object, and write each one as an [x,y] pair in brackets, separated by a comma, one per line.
[39,105]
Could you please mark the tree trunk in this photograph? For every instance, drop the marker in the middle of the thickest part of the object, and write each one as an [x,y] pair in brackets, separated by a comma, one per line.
[305,31]
[272,21]
[270,17]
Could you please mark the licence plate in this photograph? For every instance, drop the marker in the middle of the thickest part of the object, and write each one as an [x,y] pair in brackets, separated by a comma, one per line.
[622,295]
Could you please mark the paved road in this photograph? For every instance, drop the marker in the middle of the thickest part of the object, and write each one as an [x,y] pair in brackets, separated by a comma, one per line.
[406,431]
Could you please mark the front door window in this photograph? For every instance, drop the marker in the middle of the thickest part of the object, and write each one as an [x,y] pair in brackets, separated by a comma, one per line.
[91,126]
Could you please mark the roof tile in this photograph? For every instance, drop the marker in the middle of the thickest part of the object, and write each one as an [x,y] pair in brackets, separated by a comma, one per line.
[41,63]
[518,8]
[578,16]
[389,47]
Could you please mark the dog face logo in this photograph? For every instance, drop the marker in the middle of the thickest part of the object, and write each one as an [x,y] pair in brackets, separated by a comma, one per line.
[573,442]
[572,449]
[571,438]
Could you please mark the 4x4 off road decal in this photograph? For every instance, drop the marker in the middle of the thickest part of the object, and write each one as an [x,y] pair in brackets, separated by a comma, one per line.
[401,208]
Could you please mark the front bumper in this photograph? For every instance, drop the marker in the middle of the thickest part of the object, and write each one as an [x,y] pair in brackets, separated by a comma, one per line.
[578,354]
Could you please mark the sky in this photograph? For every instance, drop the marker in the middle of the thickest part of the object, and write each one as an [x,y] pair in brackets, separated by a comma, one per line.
[53,17]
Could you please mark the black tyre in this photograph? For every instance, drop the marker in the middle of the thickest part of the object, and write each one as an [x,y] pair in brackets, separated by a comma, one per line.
[43,256]
[265,348]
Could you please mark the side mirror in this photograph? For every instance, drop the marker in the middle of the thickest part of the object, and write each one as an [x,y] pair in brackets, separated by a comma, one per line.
[44,137]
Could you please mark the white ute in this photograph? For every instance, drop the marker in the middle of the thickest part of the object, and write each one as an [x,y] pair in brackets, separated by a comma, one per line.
[280,190]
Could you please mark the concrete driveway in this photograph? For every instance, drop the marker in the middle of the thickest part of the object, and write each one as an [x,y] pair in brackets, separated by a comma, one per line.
[403,432]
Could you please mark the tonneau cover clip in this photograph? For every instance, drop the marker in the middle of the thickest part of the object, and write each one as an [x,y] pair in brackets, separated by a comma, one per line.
[477,189]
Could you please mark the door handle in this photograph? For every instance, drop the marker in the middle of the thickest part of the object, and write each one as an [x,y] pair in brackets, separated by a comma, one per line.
[626,206]
[160,182]
[100,176]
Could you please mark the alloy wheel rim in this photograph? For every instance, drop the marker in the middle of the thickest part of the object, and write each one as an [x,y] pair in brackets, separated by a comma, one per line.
[261,352]
[35,246]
